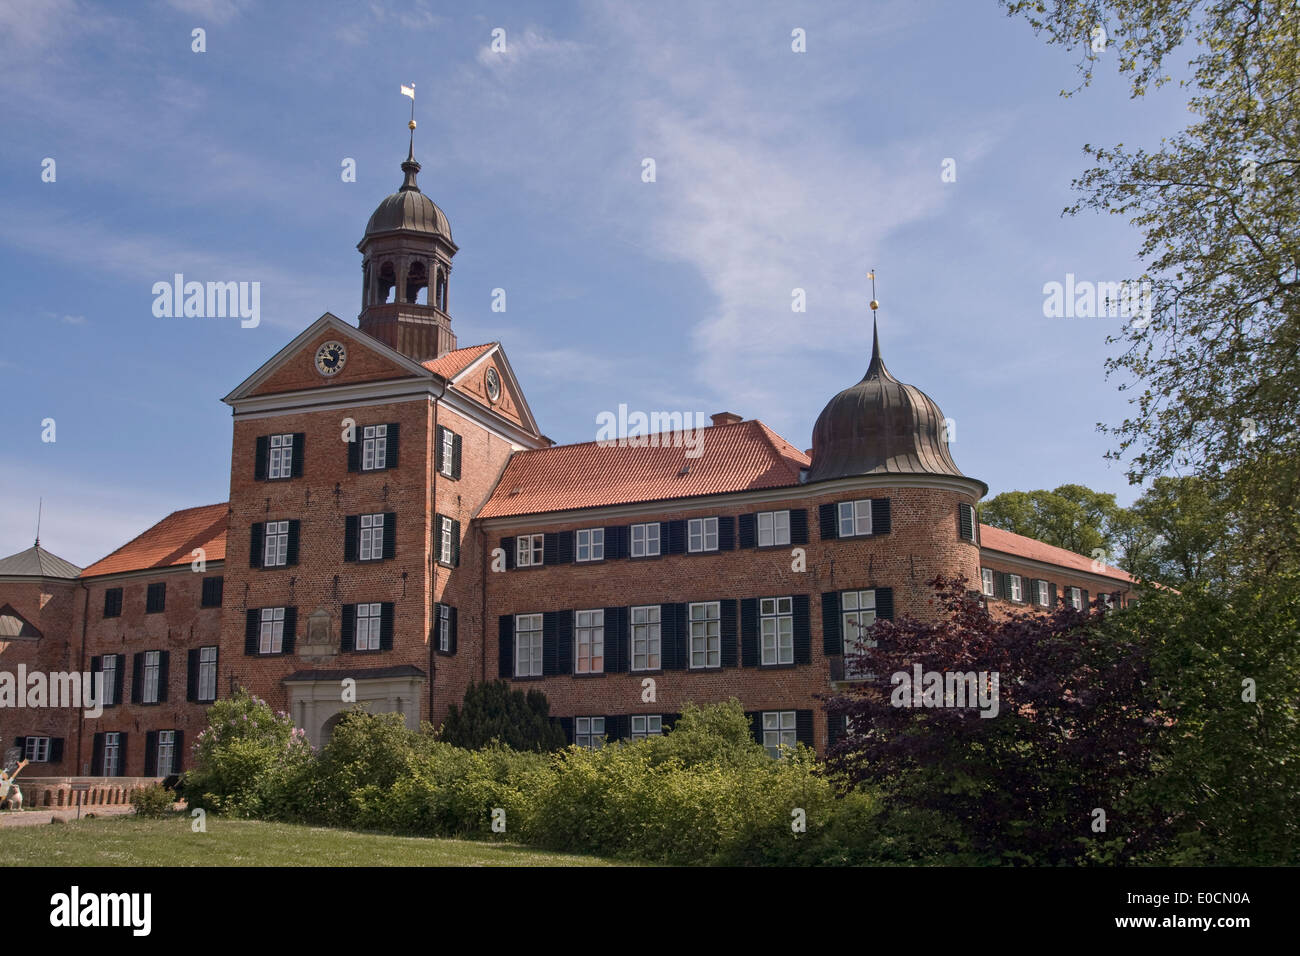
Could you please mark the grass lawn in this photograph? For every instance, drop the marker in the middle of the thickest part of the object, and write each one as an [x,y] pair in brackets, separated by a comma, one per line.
[132,841]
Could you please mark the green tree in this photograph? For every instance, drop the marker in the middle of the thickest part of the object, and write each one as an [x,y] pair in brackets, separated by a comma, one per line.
[1187,523]
[492,711]
[1073,517]
[1215,366]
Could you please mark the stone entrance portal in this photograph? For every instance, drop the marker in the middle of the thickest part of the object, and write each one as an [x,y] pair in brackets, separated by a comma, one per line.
[318,699]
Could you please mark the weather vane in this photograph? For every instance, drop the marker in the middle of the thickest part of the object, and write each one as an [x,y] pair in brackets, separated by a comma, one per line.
[410,91]
[874,304]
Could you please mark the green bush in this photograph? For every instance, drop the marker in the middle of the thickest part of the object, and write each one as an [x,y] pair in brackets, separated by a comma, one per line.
[493,711]
[154,800]
[250,761]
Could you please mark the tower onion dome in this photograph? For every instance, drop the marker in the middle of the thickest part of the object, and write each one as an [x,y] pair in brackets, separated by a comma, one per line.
[880,427]
[408,209]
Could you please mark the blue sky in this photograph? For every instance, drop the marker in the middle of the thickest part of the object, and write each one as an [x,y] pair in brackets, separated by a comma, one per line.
[775,170]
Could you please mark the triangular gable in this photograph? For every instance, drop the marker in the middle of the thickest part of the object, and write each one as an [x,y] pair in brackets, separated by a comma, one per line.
[13,626]
[510,404]
[293,368]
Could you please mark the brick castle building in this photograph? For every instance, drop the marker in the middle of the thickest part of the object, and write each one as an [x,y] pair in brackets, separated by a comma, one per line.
[397,518]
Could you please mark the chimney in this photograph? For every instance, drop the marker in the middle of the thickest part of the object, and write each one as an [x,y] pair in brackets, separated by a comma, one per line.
[726,418]
[808,452]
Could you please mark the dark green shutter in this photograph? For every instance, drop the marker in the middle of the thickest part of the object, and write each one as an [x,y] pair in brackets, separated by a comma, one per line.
[1051,594]
[880,523]
[354,450]
[729,649]
[746,532]
[97,755]
[386,626]
[756,724]
[617,640]
[676,537]
[455,456]
[290,630]
[832,638]
[749,650]
[550,643]
[137,677]
[452,648]
[885,603]
[564,638]
[455,544]
[506,646]
[122,753]
[348,631]
[390,449]
[727,533]
[802,629]
[164,674]
[56,750]
[803,727]
[119,678]
[438,439]
[799,526]
[351,537]
[192,675]
[390,534]
[965,522]
[260,455]
[550,549]
[508,546]
[828,522]
[256,545]
[299,441]
[151,753]
[291,557]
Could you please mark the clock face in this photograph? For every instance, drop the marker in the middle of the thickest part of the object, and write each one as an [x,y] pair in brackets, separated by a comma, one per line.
[493,384]
[330,358]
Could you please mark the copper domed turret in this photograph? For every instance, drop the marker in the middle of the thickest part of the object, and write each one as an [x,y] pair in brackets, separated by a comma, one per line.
[880,427]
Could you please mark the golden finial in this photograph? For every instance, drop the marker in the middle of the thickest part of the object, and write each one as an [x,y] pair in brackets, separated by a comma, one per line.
[874,304]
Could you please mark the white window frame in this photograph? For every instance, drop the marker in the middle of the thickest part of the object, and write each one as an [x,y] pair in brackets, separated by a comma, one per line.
[986,581]
[528,550]
[774,526]
[1108,599]
[589,634]
[280,460]
[374,447]
[778,730]
[528,645]
[270,638]
[1016,585]
[1044,590]
[166,745]
[854,605]
[275,544]
[112,753]
[444,628]
[446,544]
[108,668]
[705,629]
[589,732]
[647,725]
[371,545]
[776,630]
[207,682]
[855,515]
[647,634]
[367,623]
[37,750]
[1076,598]
[448,451]
[699,532]
[645,540]
[589,544]
[152,672]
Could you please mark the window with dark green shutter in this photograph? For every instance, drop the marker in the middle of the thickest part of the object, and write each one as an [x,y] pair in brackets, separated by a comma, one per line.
[156,598]
[966,522]
[212,590]
[113,602]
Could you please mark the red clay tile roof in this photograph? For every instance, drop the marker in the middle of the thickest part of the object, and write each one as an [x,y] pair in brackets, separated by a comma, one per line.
[995,539]
[740,457]
[456,361]
[170,542]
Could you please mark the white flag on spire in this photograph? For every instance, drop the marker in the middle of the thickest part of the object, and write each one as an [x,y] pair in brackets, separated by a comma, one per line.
[409,91]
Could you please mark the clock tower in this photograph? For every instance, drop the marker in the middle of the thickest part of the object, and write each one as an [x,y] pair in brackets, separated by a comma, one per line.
[406,257]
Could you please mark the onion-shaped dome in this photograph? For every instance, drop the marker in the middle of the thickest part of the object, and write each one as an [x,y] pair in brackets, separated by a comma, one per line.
[880,426]
[408,209]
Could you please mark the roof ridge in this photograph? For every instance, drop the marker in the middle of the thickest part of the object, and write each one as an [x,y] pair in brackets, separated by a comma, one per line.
[749,422]
[770,434]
